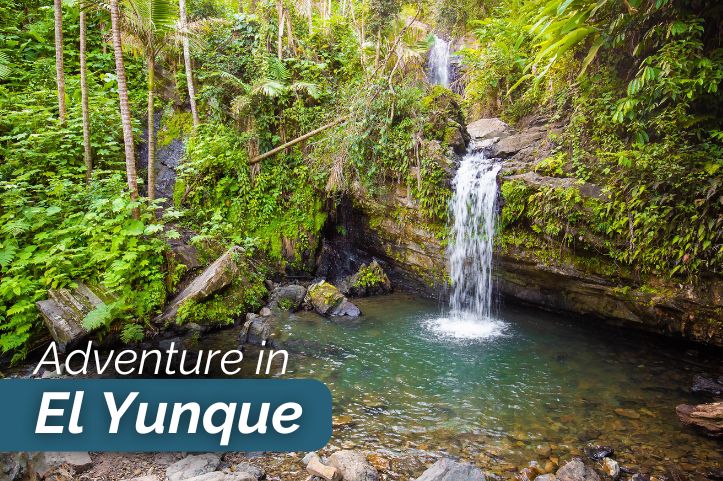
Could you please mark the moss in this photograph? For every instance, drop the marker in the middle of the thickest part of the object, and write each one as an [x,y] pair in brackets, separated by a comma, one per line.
[175,126]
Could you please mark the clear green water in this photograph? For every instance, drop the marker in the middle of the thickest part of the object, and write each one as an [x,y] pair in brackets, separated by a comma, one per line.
[546,382]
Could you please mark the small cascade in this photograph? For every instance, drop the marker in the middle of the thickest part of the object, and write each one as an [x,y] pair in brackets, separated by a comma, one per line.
[473,210]
[439,62]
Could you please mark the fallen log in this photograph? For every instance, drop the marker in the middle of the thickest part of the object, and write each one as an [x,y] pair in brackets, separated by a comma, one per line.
[295,141]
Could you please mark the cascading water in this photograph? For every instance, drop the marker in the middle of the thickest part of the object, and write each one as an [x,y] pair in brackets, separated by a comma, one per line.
[439,65]
[473,213]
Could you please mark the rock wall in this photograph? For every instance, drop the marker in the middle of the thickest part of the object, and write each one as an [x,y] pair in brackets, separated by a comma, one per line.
[391,228]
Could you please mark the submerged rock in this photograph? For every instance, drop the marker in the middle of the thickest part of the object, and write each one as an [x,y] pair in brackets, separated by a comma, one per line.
[576,470]
[596,453]
[705,417]
[705,385]
[353,466]
[328,301]
[448,470]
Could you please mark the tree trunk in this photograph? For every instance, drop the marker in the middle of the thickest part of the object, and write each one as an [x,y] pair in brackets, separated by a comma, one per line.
[84,98]
[310,15]
[59,70]
[123,99]
[280,36]
[187,62]
[151,130]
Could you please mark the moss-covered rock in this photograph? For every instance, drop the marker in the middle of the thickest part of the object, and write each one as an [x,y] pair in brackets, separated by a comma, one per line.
[327,300]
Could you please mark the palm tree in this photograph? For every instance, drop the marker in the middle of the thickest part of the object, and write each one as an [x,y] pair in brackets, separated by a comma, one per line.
[183,21]
[115,18]
[59,70]
[149,26]
[84,98]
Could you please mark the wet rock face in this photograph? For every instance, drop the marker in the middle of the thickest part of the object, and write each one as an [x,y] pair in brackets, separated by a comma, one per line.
[707,418]
[448,470]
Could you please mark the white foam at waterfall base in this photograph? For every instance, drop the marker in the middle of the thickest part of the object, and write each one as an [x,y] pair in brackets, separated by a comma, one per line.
[473,210]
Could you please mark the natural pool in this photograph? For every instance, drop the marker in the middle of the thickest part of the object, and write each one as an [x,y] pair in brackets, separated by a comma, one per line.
[547,386]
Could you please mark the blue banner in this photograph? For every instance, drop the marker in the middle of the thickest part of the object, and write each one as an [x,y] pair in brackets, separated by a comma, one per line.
[164,415]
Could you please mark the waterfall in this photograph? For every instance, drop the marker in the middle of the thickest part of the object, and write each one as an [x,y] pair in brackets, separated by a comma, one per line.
[473,210]
[439,65]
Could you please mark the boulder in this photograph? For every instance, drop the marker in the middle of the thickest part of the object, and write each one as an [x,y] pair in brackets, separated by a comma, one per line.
[289,297]
[484,129]
[328,301]
[546,477]
[369,280]
[448,470]
[308,457]
[706,417]
[509,146]
[706,385]
[353,466]
[64,311]
[216,276]
[248,468]
[317,468]
[256,330]
[192,466]
[47,461]
[575,470]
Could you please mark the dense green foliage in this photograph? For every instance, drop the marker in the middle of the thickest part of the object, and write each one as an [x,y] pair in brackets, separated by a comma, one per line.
[633,85]
[637,86]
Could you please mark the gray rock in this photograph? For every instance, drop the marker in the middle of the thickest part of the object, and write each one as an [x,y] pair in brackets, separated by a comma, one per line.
[256,330]
[192,466]
[151,477]
[514,143]
[546,477]
[308,457]
[64,311]
[353,466]
[448,470]
[165,344]
[216,276]
[346,308]
[223,476]
[484,129]
[265,312]
[287,297]
[575,470]
[249,468]
[13,466]
[45,462]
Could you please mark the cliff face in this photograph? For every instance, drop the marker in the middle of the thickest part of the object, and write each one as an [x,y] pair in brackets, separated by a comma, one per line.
[530,267]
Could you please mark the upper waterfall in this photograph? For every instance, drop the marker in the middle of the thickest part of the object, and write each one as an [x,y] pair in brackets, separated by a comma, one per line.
[439,62]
